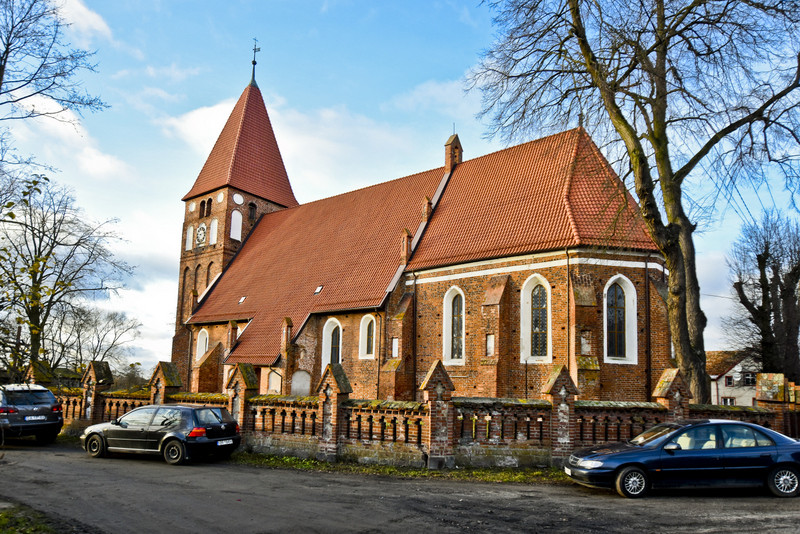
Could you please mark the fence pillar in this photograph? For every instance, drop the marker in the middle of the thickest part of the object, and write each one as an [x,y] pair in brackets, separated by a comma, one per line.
[165,381]
[242,385]
[773,392]
[438,434]
[333,390]
[673,393]
[560,390]
[95,380]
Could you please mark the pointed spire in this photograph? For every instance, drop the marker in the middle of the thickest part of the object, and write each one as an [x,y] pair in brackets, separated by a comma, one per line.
[246,155]
[255,49]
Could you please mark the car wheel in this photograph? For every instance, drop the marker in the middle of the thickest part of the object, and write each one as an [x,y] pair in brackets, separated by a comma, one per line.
[174,452]
[632,482]
[784,481]
[95,446]
[46,438]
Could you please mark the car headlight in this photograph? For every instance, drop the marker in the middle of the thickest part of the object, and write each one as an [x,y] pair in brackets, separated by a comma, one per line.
[590,464]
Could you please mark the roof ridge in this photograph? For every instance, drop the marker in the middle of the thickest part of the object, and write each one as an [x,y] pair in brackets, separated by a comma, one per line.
[568,187]
[239,128]
[366,187]
[565,133]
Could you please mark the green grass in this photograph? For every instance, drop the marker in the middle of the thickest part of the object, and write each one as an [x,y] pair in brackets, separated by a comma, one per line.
[528,475]
[21,519]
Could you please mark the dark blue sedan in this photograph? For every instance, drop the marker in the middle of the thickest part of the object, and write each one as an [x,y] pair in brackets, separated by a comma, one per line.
[694,453]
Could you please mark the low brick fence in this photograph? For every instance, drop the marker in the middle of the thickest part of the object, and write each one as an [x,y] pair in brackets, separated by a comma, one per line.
[440,431]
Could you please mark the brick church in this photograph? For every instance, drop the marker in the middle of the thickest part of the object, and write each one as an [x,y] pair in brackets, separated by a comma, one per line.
[502,267]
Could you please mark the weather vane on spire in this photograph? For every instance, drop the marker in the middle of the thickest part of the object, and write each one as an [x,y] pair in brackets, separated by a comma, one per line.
[255,50]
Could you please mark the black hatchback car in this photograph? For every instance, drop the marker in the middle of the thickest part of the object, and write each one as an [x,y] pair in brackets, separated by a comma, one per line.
[178,433]
[693,453]
[30,410]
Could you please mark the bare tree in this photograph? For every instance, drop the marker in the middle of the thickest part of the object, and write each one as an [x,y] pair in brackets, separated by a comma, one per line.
[54,257]
[765,266]
[681,92]
[36,61]
[83,333]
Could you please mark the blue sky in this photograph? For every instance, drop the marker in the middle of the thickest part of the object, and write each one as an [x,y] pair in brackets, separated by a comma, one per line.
[358,92]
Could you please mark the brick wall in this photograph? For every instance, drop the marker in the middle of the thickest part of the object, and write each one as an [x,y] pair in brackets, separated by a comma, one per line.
[576,325]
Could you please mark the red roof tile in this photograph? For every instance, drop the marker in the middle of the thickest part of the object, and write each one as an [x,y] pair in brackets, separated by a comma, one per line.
[349,244]
[246,155]
[719,362]
[547,194]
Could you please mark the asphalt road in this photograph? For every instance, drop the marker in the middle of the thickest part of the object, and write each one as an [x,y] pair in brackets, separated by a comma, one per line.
[136,494]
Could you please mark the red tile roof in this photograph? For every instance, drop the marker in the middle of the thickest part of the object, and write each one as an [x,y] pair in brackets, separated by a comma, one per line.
[719,362]
[547,194]
[349,244]
[543,195]
[246,155]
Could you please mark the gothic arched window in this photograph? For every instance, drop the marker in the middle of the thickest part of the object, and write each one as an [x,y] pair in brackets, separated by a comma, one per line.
[331,343]
[453,327]
[202,344]
[366,345]
[619,321]
[236,225]
[539,322]
[615,325]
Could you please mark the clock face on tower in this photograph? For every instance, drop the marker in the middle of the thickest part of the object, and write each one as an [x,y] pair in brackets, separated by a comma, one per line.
[201,235]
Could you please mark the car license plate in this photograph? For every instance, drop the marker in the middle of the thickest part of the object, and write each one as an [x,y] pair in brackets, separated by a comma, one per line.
[35,417]
[568,471]
[225,442]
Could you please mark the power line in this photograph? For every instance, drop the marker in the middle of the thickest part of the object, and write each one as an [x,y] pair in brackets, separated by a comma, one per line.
[718,296]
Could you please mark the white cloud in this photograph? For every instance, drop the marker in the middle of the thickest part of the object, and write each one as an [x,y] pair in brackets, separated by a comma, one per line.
[84,23]
[333,150]
[99,165]
[172,73]
[154,306]
[65,139]
[147,99]
[442,97]
[200,127]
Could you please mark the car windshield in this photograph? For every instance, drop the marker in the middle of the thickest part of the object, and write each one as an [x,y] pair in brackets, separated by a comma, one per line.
[652,434]
[29,398]
[207,416]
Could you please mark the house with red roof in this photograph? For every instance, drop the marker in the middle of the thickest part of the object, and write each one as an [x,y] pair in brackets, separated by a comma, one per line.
[503,267]
[734,374]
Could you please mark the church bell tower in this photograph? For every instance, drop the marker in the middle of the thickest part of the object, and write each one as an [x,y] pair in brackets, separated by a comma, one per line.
[243,178]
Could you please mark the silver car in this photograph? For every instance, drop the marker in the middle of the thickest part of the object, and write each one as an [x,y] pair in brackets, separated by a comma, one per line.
[29,410]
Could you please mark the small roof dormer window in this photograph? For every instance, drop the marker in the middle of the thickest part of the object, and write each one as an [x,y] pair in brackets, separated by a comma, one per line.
[318,290]
[242,299]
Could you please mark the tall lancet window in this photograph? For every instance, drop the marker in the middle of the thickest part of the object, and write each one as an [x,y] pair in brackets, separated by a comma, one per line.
[539,322]
[453,349]
[615,333]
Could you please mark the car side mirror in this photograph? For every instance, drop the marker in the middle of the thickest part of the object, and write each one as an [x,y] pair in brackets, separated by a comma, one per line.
[115,422]
[672,447]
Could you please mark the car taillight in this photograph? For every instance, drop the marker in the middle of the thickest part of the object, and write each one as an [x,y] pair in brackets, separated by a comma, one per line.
[237,428]
[197,432]
[57,408]
[8,409]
